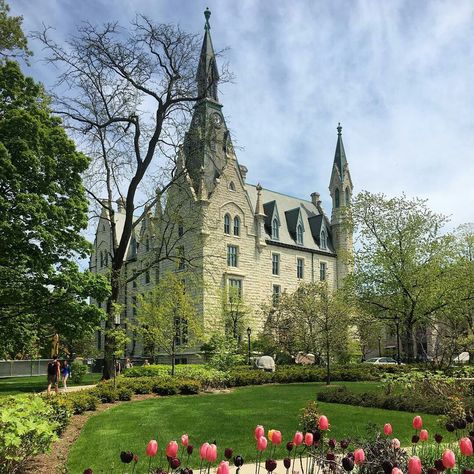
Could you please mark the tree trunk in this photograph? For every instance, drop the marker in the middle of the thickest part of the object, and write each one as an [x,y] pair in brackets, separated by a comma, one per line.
[328,370]
[173,357]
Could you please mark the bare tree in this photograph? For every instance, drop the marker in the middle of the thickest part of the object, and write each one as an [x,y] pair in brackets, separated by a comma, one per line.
[127,95]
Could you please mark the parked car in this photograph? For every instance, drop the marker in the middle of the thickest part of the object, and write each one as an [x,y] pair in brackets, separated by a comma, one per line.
[380,360]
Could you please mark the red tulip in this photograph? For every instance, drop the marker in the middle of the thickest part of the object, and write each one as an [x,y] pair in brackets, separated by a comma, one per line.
[449,459]
[424,435]
[211,453]
[172,449]
[259,431]
[395,470]
[298,438]
[175,463]
[387,429]
[223,467]
[417,423]
[276,437]
[308,439]
[184,440]
[262,443]
[203,450]
[465,445]
[359,456]
[414,465]
[395,443]
[152,448]
[323,423]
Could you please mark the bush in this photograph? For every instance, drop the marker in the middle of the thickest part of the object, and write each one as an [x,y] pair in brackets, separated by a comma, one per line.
[78,372]
[60,412]
[105,392]
[400,401]
[309,417]
[79,402]
[27,428]
[124,394]
[165,387]
[189,387]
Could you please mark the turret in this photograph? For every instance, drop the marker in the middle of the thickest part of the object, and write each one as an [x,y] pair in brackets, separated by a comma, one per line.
[340,188]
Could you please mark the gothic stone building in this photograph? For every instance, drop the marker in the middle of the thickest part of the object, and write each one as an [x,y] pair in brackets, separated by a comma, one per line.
[229,232]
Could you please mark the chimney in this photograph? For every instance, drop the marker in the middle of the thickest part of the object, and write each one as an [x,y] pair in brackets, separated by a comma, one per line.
[243,171]
[121,203]
[316,200]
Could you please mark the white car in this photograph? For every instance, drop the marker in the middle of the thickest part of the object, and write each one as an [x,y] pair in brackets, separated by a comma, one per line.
[380,360]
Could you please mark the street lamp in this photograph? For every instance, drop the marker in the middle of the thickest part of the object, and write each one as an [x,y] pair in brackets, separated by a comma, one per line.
[249,332]
[397,325]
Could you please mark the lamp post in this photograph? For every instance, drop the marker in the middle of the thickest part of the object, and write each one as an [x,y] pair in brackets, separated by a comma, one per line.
[397,325]
[380,347]
[249,332]
[117,325]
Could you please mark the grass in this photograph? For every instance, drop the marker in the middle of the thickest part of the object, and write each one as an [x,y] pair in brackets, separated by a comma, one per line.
[229,419]
[37,383]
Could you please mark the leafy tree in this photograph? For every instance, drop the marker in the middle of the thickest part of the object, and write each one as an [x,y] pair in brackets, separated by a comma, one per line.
[167,318]
[13,42]
[403,265]
[234,312]
[43,210]
[130,96]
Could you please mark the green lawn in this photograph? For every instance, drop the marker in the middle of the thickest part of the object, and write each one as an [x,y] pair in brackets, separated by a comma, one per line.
[229,419]
[37,383]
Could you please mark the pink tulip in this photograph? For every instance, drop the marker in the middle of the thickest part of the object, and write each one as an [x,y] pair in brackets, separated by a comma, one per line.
[417,423]
[184,440]
[203,451]
[276,437]
[395,443]
[211,453]
[298,438]
[414,465]
[172,449]
[395,470]
[465,445]
[424,435]
[323,423]
[259,431]
[359,456]
[387,429]
[152,448]
[262,443]
[308,439]
[223,467]
[448,459]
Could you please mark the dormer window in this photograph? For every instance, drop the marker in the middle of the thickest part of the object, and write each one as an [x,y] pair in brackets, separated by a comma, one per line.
[324,242]
[227,224]
[275,229]
[237,225]
[299,234]
[337,199]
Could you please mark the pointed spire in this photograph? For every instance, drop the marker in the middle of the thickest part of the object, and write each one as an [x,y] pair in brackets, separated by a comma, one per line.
[202,196]
[258,205]
[340,155]
[207,74]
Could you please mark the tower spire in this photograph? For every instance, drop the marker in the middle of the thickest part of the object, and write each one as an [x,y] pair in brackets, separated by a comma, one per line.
[207,76]
[340,160]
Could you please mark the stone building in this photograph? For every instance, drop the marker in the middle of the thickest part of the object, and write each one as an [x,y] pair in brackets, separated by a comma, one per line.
[228,232]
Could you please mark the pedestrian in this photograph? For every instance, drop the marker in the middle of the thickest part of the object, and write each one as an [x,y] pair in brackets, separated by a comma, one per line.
[146,363]
[65,373]
[128,364]
[53,374]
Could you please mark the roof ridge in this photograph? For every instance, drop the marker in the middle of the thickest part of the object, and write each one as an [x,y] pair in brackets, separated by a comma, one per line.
[282,194]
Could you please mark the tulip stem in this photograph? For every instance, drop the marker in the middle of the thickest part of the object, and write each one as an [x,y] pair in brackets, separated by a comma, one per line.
[149,464]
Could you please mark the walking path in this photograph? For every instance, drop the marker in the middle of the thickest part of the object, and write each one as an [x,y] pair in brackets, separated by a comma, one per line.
[76,388]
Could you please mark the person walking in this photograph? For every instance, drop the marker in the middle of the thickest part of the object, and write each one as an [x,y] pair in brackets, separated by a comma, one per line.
[65,373]
[53,374]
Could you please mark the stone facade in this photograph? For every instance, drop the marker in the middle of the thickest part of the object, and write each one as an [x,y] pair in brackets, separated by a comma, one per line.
[227,232]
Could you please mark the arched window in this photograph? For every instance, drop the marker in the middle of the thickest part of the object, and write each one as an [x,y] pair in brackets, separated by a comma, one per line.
[147,244]
[101,259]
[232,186]
[299,234]
[337,202]
[275,229]
[133,247]
[227,224]
[236,225]
[180,228]
[103,227]
[324,241]
[348,197]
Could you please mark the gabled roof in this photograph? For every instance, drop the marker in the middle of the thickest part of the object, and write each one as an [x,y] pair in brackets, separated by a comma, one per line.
[293,209]
[316,223]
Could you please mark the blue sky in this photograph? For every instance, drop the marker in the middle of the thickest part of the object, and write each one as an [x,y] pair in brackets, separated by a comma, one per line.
[398,75]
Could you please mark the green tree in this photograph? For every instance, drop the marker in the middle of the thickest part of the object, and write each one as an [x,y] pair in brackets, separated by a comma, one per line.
[402,265]
[13,42]
[234,312]
[167,317]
